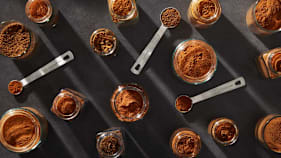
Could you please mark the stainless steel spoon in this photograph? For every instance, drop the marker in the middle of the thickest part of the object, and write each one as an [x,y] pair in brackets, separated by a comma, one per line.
[224,88]
[147,52]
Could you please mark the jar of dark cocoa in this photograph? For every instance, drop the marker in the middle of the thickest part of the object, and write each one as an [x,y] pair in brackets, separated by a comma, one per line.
[123,11]
[68,104]
[16,40]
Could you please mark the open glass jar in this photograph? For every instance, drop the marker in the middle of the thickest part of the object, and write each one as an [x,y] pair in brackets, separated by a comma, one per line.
[194,61]
[123,11]
[22,129]
[16,40]
[263,18]
[204,13]
[110,143]
[129,102]
[269,63]
[68,104]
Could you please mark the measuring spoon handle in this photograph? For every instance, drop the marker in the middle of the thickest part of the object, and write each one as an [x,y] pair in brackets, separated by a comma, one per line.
[51,66]
[224,88]
[146,53]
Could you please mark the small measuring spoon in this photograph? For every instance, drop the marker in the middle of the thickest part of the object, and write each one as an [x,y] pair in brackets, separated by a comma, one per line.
[51,66]
[224,88]
[147,52]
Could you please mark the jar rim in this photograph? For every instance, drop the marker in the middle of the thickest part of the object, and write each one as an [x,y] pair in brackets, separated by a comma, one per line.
[106,134]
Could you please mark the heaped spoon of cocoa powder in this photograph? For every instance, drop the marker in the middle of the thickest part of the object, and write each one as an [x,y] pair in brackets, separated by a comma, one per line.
[15,87]
[185,103]
[170,18]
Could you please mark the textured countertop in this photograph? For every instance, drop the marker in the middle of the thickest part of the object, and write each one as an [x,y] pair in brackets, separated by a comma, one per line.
[97,77]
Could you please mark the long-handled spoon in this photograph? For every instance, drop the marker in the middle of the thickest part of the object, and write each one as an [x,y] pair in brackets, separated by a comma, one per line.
[224,88]
[147,52]
[51,66]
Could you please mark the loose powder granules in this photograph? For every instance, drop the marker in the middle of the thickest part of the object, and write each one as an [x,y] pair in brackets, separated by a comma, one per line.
[195,60]
[276,62]
[15,87]
[66,105]
[129,103]
[18,130]
[225,132]
[103,41]
[206,8]
[170,17]
[14,40]
[109,145]
[268,14]
[183,103]
[272,134]
[186,145]
[38,9]
[122,7]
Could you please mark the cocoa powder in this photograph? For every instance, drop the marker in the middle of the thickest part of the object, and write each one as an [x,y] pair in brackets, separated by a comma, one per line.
[15,39]
[122,7]
[183,103]
[206,8]
[109,145]
[225,132]
[38,9]
[170,17]
[268,14]
[272,134]
[18,131]
[129,103]
[15,87]
[66,105]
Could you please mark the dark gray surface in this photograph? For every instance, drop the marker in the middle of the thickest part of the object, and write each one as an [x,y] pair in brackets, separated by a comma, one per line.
[97,77]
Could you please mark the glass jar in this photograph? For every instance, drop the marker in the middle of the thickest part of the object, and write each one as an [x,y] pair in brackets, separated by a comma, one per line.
[254,25]
[123,11]
[16,40]
[269,63]
[41,12]
[204,13]
[185,143]
[104,38]
[67,104]
[129,102]
[268,131]
[223,131]
[22,129]
[114,137]
[191,65]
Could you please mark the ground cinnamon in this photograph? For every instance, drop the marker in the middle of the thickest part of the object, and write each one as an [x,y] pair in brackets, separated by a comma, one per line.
[272,134]
[66,105]
[225,132]
[122,7]
[15,87]
[15,39]
[183,103]
[170,17]
[206,8]
[109,145]
[19,131]
[268,14]
[129,103]
[38,9]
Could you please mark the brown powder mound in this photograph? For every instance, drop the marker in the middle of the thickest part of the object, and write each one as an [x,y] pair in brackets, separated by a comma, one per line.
[38,9]
[206,8]
[186,145]
[272,134]
[268,14]
[19,130]
[14,40]
[66,105]
[110,145]
[122,7]
[129,103]
[195,60]
[225,132]
[170,17]
[276,62]
[15,87]
[183,103]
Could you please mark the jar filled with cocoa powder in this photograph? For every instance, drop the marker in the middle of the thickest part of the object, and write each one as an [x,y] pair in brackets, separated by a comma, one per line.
[264,17]
[268,131]
[185,143]
[129,102]
[269,63]
[16,40]
[22,129]
[194,61]
[67,104]
[204,13]
[110,143]
[123,11]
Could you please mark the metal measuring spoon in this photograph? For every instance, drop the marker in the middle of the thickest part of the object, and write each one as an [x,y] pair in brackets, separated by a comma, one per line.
[147,52]
[51,66]
[224,88]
